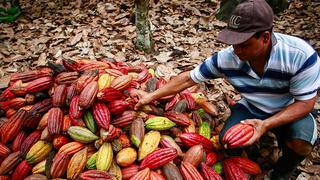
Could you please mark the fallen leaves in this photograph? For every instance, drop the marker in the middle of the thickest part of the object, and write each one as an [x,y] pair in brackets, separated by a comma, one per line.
[184,33]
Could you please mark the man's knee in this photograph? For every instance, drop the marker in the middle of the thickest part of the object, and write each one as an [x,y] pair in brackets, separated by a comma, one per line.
[300,147]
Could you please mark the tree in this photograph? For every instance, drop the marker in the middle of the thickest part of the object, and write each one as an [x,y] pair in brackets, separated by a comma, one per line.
[144,35]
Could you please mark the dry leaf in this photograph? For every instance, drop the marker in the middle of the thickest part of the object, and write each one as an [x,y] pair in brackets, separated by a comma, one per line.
[4,82]
[76,39]
[163,57]
[42,61]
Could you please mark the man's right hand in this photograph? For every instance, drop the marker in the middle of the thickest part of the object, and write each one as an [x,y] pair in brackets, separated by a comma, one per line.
[144,98]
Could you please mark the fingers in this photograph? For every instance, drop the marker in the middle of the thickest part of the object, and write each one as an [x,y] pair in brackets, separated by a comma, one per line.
[137,106]
[143,99]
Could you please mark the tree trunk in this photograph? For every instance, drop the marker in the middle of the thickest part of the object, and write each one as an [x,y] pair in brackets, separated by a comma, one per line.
[144,35]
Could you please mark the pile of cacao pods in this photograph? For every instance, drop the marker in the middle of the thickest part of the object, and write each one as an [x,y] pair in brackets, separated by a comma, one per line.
[76,120]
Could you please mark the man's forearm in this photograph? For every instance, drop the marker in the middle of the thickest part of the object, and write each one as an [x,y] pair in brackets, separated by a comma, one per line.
[175,85]
[291,113]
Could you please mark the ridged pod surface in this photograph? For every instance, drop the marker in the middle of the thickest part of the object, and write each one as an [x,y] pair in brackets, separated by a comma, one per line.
[101,115]
[149,144]
[77,163]
[191,139]
[158,158]
[88,95]
[95,174]
[189,172]
[104,157]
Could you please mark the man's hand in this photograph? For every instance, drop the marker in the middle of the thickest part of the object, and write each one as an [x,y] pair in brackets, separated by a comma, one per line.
[259,129]
[144,98]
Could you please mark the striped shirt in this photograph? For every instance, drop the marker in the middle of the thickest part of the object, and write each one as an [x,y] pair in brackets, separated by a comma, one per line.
[292,72]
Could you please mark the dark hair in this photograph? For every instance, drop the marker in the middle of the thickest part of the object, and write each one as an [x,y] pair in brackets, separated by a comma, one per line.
[258,34]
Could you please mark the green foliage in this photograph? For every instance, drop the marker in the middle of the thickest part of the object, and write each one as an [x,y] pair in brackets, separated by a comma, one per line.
[227,6]
[9,15]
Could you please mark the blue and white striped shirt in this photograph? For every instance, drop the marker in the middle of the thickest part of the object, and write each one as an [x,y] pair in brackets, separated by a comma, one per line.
[292,72]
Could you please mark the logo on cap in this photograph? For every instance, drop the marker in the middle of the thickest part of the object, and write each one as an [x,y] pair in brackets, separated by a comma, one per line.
[234,21]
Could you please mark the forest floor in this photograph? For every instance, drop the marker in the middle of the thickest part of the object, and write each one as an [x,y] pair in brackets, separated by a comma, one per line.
[184,35]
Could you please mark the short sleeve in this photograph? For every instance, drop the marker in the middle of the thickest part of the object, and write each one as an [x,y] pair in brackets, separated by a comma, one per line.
[306,81]
[206,70]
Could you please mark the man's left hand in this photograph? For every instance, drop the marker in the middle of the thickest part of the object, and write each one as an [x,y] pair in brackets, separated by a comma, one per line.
[258,130]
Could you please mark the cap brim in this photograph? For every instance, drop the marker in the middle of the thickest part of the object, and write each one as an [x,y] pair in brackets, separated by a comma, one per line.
[228,36]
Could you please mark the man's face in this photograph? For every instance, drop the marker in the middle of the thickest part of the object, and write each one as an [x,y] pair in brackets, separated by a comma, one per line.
[251,49]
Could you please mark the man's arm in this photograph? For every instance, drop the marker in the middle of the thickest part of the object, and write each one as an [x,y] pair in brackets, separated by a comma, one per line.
[175,85]
[291,113]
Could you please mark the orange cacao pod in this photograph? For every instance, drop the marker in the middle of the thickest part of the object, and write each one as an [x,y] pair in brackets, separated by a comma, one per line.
[209,107]
[12,127]
[142,175]
[66,124]
[77,164]
[122,82]
[71,148]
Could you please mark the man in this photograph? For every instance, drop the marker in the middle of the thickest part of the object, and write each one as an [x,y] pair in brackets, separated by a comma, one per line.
[277,76]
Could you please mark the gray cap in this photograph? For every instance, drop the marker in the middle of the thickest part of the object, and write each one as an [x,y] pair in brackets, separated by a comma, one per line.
[247,18]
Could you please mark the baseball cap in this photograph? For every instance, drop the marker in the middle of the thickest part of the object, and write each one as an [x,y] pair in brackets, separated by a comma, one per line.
[247,18]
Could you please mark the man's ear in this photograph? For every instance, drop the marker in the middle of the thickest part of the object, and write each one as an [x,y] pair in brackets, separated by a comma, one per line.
[266,36]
